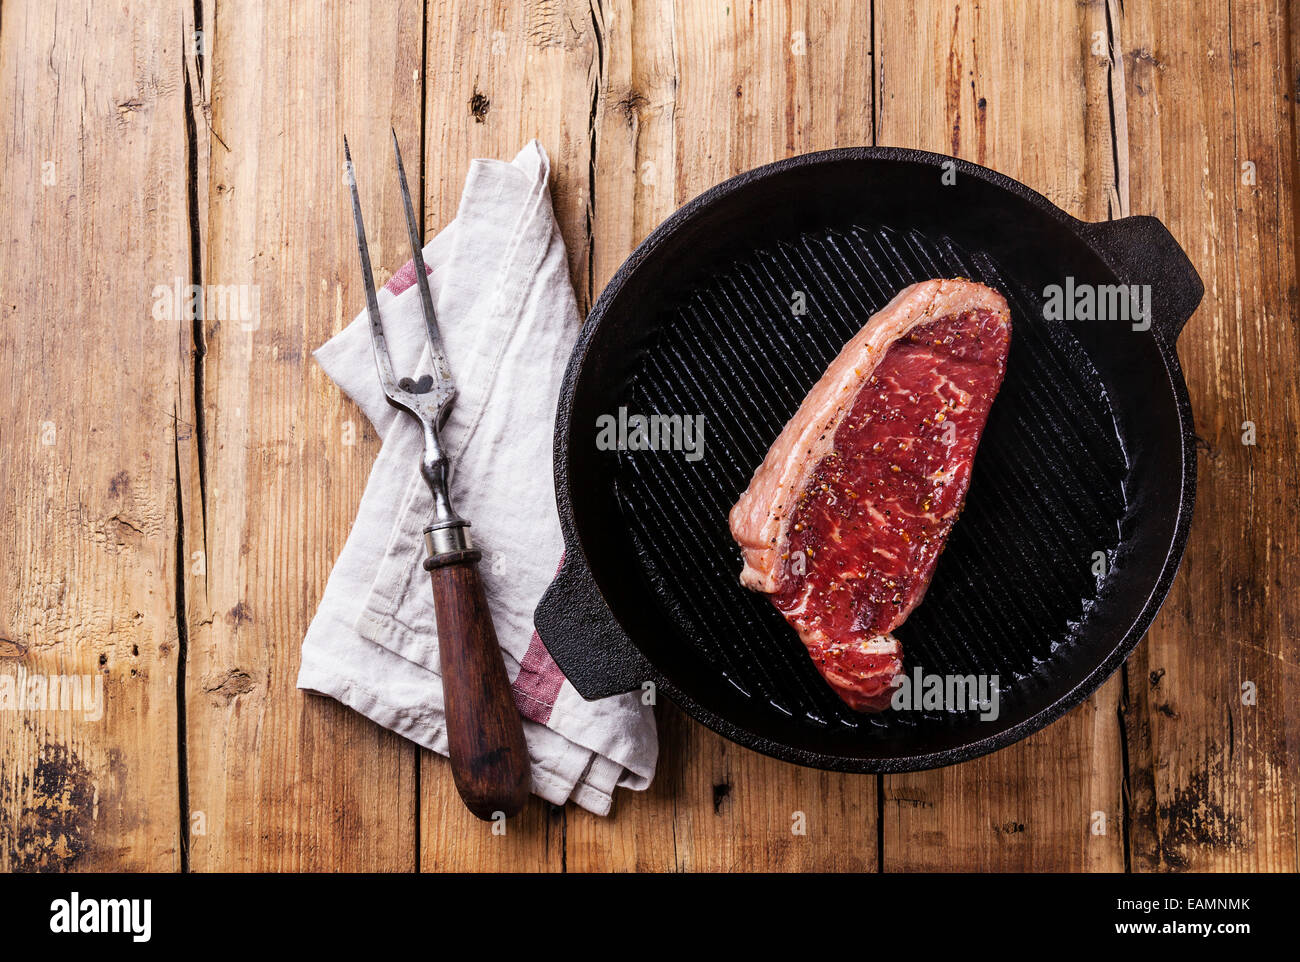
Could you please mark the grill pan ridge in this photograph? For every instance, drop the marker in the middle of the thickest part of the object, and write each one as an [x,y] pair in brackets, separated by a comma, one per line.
[1025,514]
[1079,502]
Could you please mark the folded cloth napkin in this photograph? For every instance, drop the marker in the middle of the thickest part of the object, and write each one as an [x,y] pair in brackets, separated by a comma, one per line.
[506,311]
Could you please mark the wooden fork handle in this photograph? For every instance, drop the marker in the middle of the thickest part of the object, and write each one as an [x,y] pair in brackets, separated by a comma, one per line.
[489,759]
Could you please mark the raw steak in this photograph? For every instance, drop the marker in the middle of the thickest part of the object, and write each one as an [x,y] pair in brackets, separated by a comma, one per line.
[843,522]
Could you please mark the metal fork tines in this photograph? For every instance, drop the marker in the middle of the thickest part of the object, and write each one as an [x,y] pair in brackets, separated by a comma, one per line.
[428,398]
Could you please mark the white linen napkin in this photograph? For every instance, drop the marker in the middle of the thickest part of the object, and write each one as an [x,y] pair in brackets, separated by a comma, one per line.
[506,311]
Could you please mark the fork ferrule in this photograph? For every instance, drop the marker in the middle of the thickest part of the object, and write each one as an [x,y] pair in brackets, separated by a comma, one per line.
[448,540]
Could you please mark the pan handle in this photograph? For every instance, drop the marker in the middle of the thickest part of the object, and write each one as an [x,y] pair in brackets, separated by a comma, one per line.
[584,638]
[1141,250]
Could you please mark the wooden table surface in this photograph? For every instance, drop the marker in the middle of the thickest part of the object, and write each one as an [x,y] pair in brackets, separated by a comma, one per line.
[175,492]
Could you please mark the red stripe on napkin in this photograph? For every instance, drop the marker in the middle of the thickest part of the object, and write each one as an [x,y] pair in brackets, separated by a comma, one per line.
[538,683]
[404,278]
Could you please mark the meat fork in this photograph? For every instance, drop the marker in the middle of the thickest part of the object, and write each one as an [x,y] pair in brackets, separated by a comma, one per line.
[489,759]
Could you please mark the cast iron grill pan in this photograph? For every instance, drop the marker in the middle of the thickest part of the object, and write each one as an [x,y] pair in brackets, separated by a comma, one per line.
[1088,453]
[1015,583]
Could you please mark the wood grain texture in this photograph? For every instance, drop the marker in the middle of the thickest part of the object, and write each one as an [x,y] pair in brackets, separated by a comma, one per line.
[691,94]
[285,780]
[177,529]
[501,74]
[1210,132]
[1023,89]
[87,446]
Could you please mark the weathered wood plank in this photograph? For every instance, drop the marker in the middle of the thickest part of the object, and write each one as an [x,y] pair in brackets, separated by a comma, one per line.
[93,189]
[634,175]
[1023,89]
[500,75]
[1211,152]
[692,94]
[284,780]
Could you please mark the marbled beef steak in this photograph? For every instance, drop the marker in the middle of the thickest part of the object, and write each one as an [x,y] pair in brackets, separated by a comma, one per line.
[843,522]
